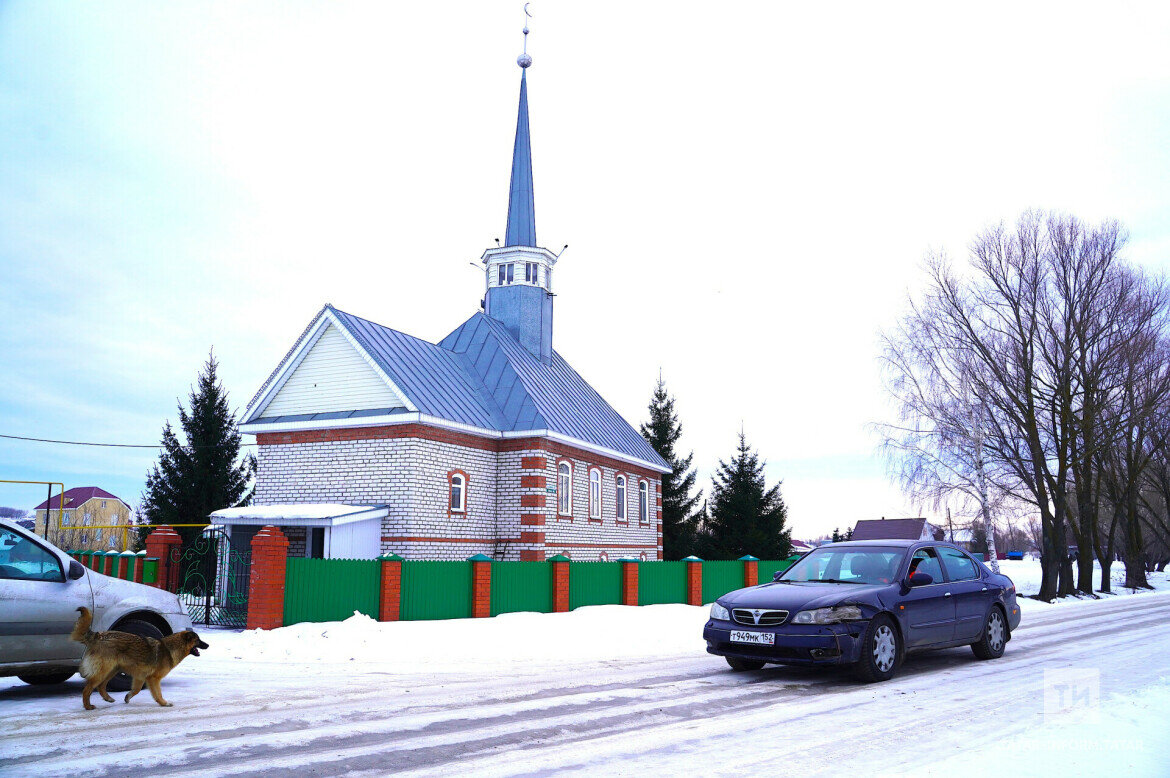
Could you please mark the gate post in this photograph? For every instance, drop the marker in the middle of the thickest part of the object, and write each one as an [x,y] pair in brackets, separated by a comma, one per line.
[560,583]
[159,544]
[139,564]
[481,586]
[629,581]
[390,594]
[751,570]
[266,583]
[694,580]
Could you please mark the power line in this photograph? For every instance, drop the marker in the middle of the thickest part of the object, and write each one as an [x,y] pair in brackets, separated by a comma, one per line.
[102,445]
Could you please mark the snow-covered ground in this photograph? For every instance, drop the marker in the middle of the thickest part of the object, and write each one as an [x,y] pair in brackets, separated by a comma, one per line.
[613,690]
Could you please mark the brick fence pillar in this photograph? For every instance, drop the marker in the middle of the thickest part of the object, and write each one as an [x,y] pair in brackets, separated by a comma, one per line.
[481,586]
[139,564]
[629,581]
[158,545]
[751,570]
[390,594]
[560,583]
[694,580]
[124,560]
[266,584]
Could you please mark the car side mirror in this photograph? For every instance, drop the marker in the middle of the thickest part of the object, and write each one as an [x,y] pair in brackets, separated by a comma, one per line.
[776,575]
[920,579]
[76,570]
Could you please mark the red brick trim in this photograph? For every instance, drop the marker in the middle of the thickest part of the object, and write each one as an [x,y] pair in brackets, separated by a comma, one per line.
[466,493]
[411,539]
[572,483]
[531,520]
[596,521]
[390,593]
[527,555]
[531,537]
[442,435]
[532,501]
[610,545]
[622,522]
[533,463]
[533,481]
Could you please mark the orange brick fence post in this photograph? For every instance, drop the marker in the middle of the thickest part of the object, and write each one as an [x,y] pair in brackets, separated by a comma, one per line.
[266,585]
[481,586]
[629,581]
[694,580]
[139,566]
[751,570]
[560,582]
[158,545]
[390,596]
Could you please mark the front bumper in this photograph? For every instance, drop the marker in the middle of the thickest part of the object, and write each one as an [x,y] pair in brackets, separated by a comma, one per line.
[795,644]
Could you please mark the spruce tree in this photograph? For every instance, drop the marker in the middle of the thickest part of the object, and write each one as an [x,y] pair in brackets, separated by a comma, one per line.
[204,473]
[745,516]
[679,518]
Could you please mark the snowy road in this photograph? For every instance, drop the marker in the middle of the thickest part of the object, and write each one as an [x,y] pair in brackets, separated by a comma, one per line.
[678,711]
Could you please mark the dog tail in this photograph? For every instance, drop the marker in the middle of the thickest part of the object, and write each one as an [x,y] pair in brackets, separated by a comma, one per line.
[81,630]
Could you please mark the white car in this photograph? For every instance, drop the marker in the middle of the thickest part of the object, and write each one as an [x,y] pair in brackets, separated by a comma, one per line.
[41,588]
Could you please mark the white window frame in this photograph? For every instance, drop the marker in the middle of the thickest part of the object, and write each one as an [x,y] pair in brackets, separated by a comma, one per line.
[462,486]
[594,498]
[532,273]
[621,497]
[564,489]
[644,501]
[506,274]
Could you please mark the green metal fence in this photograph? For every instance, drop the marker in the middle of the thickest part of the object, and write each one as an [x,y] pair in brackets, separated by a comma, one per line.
[330,589]
[719,578]
[768,567]
[436,590]
[662,582]
[521,586]
[594,583]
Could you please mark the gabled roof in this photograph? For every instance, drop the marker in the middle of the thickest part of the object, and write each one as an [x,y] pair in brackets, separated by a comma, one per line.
[479,377]
[888,529]
[77,495]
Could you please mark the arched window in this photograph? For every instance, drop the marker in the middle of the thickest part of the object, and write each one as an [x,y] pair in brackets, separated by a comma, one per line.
[457,491]
[643,502]
[594,493]
[564,488]
[620,499]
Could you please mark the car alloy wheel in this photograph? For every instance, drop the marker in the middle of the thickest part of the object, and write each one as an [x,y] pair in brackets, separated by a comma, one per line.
[885,648]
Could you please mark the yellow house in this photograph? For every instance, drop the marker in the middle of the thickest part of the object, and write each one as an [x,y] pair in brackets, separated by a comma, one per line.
[81,526]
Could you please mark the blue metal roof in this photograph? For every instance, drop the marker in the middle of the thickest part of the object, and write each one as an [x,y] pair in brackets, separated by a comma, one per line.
[521,229]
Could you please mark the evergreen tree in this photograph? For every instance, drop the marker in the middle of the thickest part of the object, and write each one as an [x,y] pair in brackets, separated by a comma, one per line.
[745,516]
[679,517]
[836,535]
[205,473]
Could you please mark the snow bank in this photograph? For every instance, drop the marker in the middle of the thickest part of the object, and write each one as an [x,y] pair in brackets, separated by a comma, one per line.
[1026,575]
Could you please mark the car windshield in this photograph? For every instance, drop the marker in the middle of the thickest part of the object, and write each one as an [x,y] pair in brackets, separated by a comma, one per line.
[866,565]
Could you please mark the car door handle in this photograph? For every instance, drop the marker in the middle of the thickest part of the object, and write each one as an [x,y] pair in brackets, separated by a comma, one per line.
[947,594]
[983,589]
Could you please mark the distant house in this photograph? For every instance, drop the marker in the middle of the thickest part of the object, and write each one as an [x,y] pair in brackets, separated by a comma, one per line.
[896,529]
[79,519]
[800,547]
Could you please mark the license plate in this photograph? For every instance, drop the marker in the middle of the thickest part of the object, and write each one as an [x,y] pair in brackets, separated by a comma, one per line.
[757,638]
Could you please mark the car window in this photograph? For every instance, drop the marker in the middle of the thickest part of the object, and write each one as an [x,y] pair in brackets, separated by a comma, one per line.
[23,560]
[959,566]
[872,565]
[925,560]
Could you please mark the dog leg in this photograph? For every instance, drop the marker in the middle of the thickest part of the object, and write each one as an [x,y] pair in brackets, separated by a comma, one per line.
[134,689]
[86,692]
[102,686]
[156,692]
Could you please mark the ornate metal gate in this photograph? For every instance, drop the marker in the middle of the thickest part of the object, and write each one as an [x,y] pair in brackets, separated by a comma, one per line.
[213,579]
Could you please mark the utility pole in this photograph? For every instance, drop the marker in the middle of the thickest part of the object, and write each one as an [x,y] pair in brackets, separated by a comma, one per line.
[981,479]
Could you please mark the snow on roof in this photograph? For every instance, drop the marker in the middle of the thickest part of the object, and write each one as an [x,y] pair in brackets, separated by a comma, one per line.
[309,514]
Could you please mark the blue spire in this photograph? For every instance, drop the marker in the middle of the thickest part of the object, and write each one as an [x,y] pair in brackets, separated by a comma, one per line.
[521,203]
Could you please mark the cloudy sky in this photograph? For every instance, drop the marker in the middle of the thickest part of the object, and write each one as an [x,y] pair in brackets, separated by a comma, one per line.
[747,190]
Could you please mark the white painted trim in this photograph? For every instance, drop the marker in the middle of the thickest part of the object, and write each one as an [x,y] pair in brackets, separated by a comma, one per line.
[434,421]
[365,514]
[301,350]
[600,493]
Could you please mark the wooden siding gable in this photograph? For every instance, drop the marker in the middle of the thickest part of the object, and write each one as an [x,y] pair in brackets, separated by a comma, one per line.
[332,376]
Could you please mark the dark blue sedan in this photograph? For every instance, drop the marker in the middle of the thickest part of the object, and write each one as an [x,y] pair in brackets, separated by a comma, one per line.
[866,604]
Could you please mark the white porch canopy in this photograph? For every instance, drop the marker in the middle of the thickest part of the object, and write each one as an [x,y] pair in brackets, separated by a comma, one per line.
[312,514]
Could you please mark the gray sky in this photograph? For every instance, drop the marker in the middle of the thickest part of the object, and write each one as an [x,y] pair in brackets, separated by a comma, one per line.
[747,190]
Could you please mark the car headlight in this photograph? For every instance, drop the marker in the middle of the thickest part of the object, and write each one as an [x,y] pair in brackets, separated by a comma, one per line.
[719,612]
[834,615]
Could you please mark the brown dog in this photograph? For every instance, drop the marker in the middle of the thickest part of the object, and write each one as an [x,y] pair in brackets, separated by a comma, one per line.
[145,660]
